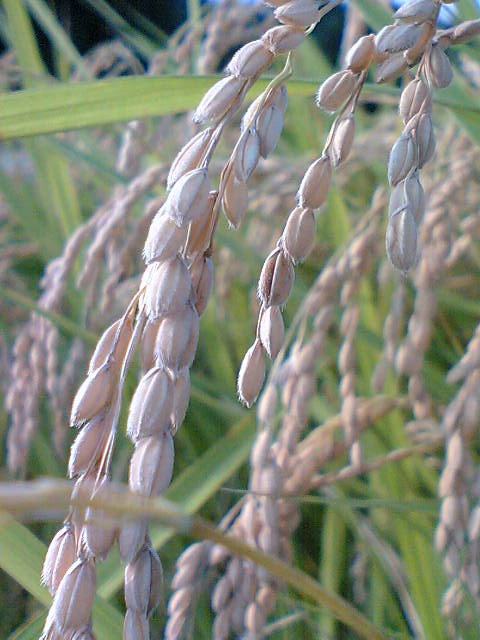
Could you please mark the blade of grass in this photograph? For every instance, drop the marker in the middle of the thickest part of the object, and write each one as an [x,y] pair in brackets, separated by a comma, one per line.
[54,30]
[67,106]
[93,160]
[384,572]
[23,39]
[143,45]
[458,304]
[470,123]
[374,14]
[67,326]
[30,630]
[425,506]
[55,183]
[194,13]
[145,25]
[21,556]
[194,17]
[467,10]
[23,203]
[74,106]
[4,35]
[56,188]
[219,359]
[332,559]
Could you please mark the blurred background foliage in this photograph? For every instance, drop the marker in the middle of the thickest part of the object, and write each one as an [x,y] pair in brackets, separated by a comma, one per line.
[49,185]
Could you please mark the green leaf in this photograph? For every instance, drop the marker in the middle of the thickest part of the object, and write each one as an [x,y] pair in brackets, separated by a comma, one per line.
[31,629]
[55,183]
[69,106]
[331,564]
[467,10]
[191,490]
[66,325]
[23,39]
[468,120]
[54,30]
[144,25]
[138,40]
[87,104]
[23,204]
[21,556]
[374,14]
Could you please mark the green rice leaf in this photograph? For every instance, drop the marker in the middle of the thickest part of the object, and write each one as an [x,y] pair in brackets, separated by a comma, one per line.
[21,556]
[54,30]
[53,178]
[31,629]
[143,45]
[467,10]
[68,106]
[374,13]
